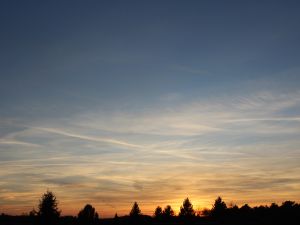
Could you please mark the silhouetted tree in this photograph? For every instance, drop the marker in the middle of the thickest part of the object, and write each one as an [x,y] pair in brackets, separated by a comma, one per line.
[116,219]
[246,211]
[219,208]
[135,211]
[186,210]
[135,215]
[274,211]
[233,212]
[245,208]
[168,211]
[33,216]
[48,209]
[274,206]
[288,205]
[88,216]
[158,212]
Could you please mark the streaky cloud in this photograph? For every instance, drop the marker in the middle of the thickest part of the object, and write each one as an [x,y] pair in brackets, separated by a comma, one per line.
[89,138]
[14,142]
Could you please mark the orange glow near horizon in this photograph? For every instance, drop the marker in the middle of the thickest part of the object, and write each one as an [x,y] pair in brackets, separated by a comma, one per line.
[107,211]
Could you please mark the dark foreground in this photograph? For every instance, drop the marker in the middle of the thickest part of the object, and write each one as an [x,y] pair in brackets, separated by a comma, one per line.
[147,220]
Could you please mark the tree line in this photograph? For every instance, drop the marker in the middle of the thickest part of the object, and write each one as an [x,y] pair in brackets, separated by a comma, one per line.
[48,213]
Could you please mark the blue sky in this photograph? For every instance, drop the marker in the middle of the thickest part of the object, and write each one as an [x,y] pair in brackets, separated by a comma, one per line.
[151,101]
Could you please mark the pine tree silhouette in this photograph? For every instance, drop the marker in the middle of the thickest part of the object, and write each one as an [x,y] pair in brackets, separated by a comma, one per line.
[48,209]
[186,210]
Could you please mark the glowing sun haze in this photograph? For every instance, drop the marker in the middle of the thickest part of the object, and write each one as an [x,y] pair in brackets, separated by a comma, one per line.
[109,103]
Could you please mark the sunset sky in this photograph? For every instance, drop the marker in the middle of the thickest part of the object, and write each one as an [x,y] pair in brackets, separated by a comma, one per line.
[111,102]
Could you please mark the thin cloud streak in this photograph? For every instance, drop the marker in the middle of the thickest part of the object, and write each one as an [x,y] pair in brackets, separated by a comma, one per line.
[195,117]
[169,146]
[88,138]
[14,142]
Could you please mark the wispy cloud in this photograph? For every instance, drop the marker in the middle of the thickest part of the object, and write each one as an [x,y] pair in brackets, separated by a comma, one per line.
[229,146]
[89,138]
[14,142]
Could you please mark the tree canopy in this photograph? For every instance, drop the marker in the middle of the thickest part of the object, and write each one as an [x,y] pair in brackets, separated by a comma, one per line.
[48,209]
[135,211]
[219,208]
[88,216]
[168,211]
[158,212]
[186,209]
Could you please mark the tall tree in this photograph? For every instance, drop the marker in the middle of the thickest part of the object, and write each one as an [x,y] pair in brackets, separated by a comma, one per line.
[48,209]
[88,216]
[116,219]
[135,211]
[186,209]
[219,208]
[168,211]
[158,212]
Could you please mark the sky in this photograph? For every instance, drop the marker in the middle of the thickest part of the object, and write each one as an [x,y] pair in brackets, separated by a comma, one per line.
[111,102]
